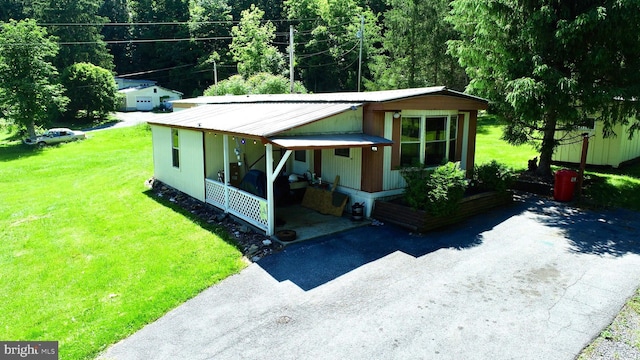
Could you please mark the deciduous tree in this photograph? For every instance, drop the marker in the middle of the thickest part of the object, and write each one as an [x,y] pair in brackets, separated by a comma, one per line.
[77,26]
[91,90]
[28,91]
[251,45]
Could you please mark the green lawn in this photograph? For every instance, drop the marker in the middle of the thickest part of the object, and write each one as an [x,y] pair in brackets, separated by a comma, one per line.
[489,146]
[87,255]
[603,187]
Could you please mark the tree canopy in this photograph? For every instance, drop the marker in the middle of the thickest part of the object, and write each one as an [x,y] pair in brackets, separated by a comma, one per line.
[91,90]
[28,88]
[260,83]
[251,45]
[415,48]
[547,65]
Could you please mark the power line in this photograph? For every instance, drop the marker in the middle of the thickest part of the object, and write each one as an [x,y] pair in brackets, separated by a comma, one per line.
[165,23]
[143,41]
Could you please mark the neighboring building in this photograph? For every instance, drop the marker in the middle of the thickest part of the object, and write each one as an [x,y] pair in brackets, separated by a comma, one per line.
[364,138]
[612,151]
[129,83]
[147,98]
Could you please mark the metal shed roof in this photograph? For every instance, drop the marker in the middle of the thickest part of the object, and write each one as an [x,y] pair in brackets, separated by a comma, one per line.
[260,120]
[344,97]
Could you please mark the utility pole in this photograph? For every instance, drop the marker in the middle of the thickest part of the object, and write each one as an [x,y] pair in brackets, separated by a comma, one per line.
[215,76]
[291,49]
[360,35]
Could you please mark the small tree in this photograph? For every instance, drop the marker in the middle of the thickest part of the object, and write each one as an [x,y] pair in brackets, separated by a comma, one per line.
[251,45]
[91,89]
[29,93]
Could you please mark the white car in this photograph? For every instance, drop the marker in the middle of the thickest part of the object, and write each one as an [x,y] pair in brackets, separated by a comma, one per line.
[56,136]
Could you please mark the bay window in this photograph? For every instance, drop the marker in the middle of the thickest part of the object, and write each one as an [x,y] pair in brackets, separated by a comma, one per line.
[428,140]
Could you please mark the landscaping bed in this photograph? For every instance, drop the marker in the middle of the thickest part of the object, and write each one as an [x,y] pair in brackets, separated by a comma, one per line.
[396,212]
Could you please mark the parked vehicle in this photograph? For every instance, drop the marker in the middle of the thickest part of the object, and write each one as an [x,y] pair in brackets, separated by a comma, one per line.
[56,136]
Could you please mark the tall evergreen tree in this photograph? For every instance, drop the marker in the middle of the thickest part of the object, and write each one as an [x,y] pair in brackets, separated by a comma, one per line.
[547,65]
[415,47]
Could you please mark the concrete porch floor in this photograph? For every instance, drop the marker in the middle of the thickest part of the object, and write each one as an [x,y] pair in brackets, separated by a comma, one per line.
[310,224]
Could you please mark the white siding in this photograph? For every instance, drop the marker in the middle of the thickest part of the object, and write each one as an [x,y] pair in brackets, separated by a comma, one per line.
[392,179]
[346,122]
[630,149]
[610,151]
[349,169]
[189,177]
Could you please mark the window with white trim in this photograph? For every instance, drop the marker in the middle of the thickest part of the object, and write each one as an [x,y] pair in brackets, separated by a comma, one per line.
[175,148]
[428,140]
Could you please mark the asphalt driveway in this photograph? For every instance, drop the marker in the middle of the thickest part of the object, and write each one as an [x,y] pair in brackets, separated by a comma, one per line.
[537,280]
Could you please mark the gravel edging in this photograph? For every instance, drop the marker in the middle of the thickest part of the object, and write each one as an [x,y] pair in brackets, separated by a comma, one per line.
[253,245]
[620,340]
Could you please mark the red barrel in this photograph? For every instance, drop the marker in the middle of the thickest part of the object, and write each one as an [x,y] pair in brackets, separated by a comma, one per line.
[564,184]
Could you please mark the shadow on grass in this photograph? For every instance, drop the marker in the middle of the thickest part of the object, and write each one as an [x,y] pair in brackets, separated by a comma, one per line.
[602,192]
[198,213]
[317,262]
[484,122]
[15,150]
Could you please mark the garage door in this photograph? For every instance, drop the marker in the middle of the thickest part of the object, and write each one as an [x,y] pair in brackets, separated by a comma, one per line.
[143,103]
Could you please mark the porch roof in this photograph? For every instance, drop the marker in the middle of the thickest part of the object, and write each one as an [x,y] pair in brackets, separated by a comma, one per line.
[329,141]
[255,119]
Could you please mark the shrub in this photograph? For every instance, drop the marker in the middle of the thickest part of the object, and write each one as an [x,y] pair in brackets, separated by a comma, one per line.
[492,176]
[436,191]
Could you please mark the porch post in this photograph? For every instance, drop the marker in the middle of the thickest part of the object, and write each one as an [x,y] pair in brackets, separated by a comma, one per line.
[227,171]
[271,206]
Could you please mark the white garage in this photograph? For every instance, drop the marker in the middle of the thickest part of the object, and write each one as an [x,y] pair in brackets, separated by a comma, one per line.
[147,98]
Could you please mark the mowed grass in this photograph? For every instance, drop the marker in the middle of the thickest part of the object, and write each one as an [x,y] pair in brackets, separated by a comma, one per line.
[87,254]
[490,146]
[603,187]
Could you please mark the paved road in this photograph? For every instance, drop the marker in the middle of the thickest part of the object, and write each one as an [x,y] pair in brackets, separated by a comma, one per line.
[128,119]
[535,281]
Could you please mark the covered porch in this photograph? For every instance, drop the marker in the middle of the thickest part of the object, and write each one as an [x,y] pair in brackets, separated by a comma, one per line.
[234,157]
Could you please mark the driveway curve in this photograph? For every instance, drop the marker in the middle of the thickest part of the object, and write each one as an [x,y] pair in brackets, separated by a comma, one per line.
[536,280]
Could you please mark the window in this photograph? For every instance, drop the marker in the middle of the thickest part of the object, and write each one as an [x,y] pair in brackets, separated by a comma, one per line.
[175,147]
[300,155]
[342,152]
[428,140]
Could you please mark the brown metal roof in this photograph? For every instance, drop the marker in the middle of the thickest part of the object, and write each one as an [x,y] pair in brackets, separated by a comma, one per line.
[329,141]
[344,97]
[261,120]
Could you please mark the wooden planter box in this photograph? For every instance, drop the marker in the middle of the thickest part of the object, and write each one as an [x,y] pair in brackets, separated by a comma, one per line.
[421,221]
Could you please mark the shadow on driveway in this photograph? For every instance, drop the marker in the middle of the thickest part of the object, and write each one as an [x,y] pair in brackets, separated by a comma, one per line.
[314,263]
[611,232]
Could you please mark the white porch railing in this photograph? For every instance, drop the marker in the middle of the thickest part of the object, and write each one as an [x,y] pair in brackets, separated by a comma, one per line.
[248,207]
